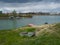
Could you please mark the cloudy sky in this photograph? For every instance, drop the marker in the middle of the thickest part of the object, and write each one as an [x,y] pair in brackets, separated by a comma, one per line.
[30,5]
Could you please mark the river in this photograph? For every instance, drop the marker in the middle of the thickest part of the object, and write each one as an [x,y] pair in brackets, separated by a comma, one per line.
[36,20]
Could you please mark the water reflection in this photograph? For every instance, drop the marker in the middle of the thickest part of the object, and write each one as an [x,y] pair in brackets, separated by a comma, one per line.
[37,20]
[14,23]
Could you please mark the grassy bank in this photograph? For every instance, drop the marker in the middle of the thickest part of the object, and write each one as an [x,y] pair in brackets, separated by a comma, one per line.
[49,36]
[15,15]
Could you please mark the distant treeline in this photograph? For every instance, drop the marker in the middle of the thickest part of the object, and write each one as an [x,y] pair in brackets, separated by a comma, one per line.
[13,13]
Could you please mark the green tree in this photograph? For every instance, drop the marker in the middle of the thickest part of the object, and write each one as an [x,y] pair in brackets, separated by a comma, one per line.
[14,13]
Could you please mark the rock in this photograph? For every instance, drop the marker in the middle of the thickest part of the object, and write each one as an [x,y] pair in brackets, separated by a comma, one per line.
[23,34]
[31,34]
[28,34]
[46,23]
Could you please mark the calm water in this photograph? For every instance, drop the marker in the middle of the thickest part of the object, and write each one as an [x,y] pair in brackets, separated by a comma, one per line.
[37,20]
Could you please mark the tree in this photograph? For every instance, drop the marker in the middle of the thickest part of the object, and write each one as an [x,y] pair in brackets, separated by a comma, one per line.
[14,13]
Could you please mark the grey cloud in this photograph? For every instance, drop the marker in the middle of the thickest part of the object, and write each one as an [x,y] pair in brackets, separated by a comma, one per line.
[29,7]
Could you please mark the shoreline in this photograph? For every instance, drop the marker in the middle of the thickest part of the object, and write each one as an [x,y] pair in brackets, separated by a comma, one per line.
[24,16]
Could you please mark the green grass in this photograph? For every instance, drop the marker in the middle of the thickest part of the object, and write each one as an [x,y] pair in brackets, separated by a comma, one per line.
[12,37]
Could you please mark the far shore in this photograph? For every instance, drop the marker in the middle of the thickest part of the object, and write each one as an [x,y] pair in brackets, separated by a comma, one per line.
[6,16]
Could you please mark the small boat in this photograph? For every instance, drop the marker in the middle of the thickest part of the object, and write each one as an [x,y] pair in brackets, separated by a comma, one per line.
[17,17]
[11,17]
[30,25]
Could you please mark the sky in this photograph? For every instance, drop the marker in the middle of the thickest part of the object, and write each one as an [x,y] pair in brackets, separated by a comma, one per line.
[30,5]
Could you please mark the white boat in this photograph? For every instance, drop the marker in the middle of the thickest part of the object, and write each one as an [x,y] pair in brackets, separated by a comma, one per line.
[17,17]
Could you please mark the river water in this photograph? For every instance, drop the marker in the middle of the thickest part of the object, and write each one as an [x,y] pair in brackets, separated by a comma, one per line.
[36,20]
